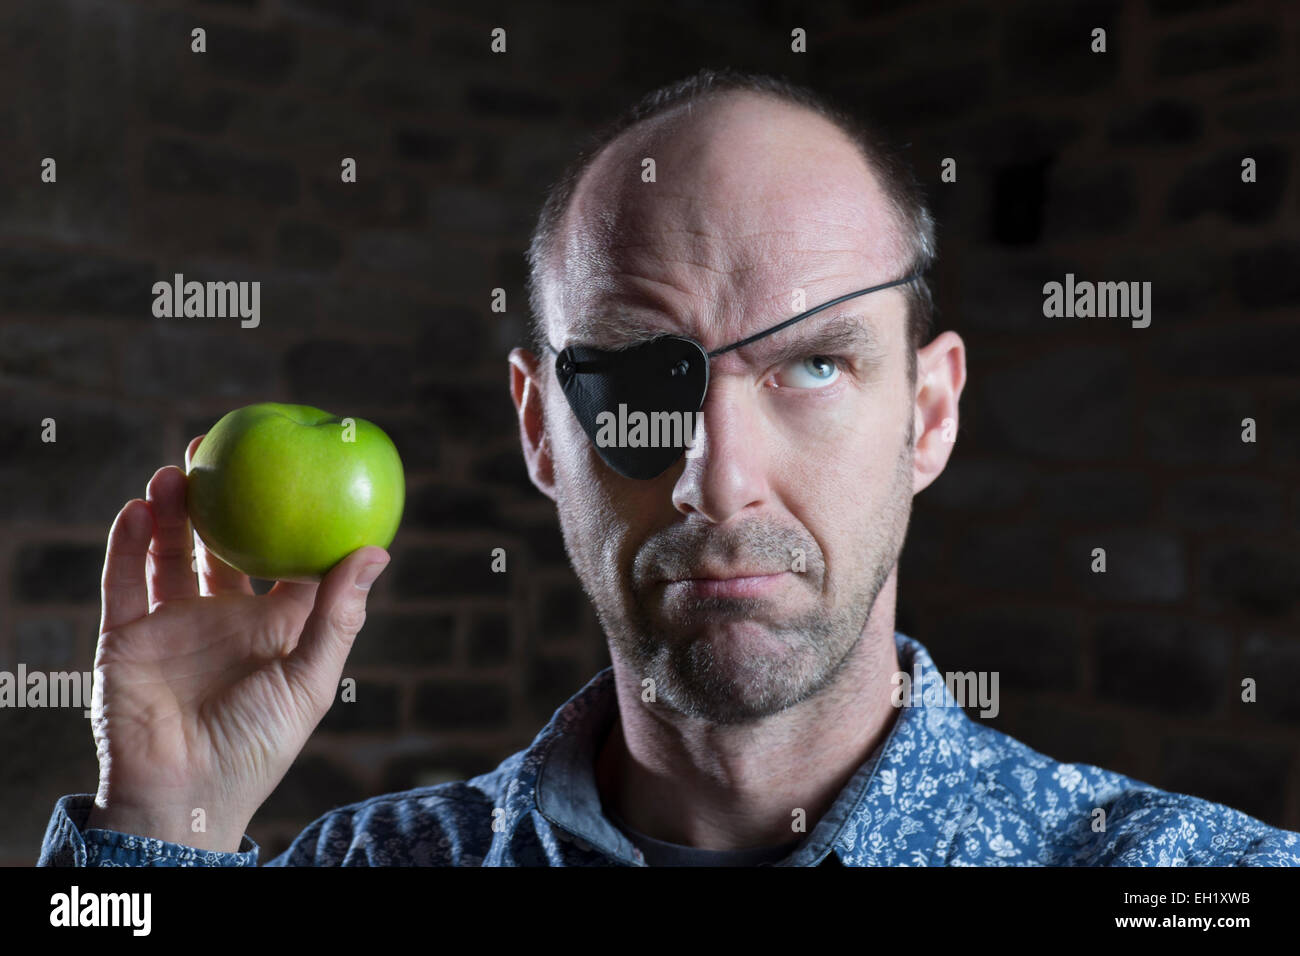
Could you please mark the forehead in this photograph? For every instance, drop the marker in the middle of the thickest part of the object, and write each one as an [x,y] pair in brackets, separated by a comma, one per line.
[752,199]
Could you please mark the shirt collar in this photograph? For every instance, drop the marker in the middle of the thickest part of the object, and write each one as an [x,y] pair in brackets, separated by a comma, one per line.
[922,764]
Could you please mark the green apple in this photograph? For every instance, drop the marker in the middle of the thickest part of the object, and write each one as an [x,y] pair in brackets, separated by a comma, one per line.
[285,492]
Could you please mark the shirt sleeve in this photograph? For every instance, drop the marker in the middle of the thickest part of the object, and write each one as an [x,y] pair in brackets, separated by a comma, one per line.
[68,843]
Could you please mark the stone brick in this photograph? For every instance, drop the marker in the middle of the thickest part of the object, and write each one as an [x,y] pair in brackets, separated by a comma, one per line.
[470,210]
[495,100]
[379,198]
[1141,566]
[313,786]
[1003,291]
[1230,503]
[988,484]
[45,281]
[1107,496]
[426,573]
[1161,663]
[442,507]
[1162,122]
[1273,660]
[1239,350]
[102,458]
[1174,8]
[451,269]
[469,412]
[176,166]
[1216,47]
[334,373]
[924,556]
[49,644]
[1005,558]
[382,17]
[1215,186]
[1261,580]
[229,361]
[544,541]
[1266,277]
[1199,426]
[462,704]
[411,771]
[258,56]
[1090,202]
[1082,404]
[66,95]
[550,682]
[52,352]
[404,639]
[417,441]
[489,640]
[1071,735]
[304,245]
[194,110]
[1049,48]
[322,133]
[1187,282]
[49,751]
[1269,117]
[375,709]
[560,614]
[1034,649]
[941,94]
[424,146]
[1246,776]
[855,47]
[57,571]
[1283,437]
[506,469]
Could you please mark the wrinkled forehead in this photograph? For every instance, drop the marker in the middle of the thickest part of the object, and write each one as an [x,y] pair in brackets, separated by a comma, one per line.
[718,244]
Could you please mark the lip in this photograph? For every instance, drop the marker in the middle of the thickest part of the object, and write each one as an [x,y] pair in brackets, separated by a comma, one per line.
[745,585]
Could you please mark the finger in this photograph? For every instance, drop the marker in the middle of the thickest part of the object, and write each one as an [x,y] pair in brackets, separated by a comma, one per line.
[169,572]
[316,663]
[122,586]
[215,576]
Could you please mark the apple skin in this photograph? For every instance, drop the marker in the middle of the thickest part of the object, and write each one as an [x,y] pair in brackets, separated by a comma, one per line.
[276,493]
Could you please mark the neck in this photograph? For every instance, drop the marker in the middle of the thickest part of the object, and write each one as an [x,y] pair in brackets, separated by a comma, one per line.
[686,781]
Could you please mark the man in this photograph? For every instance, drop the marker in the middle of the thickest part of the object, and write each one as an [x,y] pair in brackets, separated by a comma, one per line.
[734,249]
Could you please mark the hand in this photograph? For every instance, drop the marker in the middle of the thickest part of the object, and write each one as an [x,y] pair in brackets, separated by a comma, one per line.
[204,691]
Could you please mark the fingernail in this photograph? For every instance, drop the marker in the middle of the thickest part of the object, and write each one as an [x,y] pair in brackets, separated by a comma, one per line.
[369,573]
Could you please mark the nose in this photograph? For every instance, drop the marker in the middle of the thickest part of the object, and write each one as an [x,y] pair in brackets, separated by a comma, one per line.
[727,471]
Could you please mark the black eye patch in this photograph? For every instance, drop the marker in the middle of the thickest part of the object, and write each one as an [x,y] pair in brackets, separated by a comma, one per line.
[639,405]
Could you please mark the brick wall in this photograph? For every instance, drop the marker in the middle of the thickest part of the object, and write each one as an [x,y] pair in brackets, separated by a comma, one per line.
[1076,433]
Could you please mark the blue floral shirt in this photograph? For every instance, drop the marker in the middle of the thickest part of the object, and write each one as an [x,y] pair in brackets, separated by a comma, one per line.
[940,790]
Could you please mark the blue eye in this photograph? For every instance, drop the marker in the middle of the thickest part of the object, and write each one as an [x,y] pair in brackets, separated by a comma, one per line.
[815,371]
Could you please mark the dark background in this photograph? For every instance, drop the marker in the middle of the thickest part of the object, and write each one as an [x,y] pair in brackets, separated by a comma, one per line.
[1076,433]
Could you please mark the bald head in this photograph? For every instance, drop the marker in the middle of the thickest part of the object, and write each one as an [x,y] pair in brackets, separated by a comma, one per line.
[753,198]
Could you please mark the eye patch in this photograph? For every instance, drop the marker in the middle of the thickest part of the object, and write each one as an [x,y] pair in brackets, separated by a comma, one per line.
[639,405]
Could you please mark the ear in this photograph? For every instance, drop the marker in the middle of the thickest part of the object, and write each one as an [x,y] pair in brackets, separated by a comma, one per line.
[525,390]
[940,377]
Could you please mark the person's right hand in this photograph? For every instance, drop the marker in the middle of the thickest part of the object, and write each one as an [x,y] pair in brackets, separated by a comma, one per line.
[205,692]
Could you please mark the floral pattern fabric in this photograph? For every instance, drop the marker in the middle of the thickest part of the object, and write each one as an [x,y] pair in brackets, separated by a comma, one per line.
[942,789]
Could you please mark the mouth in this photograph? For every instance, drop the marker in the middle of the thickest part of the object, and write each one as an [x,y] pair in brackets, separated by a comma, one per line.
[727,584]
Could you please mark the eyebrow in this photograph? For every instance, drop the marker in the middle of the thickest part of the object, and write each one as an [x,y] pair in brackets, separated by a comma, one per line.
[840,333]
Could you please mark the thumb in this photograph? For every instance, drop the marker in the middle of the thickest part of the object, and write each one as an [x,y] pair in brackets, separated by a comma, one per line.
[331,627]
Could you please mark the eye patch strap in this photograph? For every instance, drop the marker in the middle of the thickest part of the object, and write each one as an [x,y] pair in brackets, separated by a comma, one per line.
[592,365]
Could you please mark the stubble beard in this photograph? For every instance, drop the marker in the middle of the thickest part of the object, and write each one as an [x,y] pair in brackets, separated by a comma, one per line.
[728,679]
